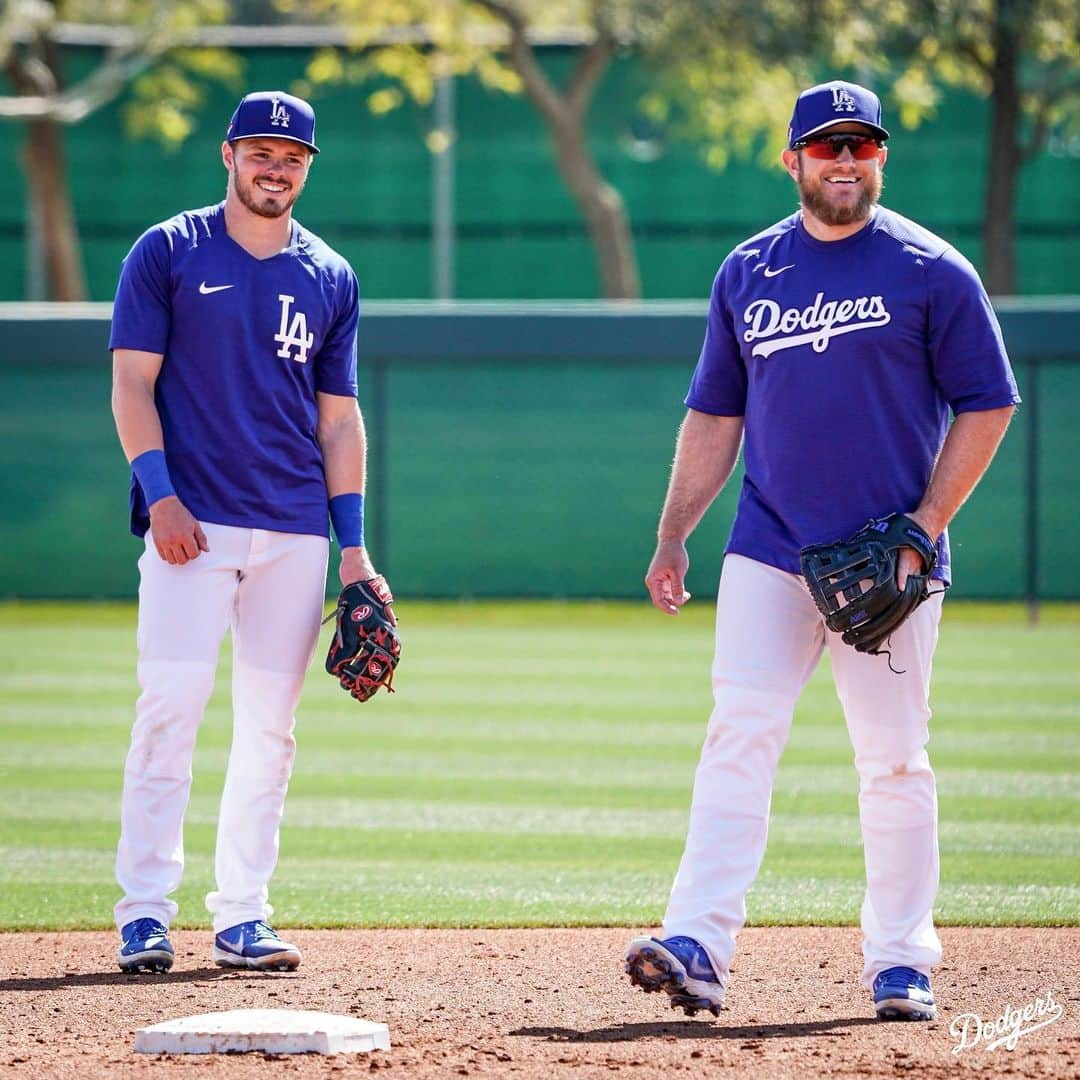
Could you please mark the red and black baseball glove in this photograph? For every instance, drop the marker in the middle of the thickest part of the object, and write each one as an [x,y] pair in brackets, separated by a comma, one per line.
[365,648]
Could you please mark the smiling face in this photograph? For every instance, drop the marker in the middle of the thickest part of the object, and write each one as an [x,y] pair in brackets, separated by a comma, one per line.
[266,175]
[839,192]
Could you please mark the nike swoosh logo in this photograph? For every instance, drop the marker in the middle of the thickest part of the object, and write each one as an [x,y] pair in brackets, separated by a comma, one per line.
[206,290]
[773,273]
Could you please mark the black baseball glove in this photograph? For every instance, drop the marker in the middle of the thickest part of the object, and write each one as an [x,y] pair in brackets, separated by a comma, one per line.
[365,648]
[853,581]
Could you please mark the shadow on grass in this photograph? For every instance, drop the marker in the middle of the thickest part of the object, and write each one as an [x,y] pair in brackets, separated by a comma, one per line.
[696,1029]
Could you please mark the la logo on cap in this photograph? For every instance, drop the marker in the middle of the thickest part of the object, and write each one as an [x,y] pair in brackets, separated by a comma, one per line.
[279,115]
[842,101]
[273,114]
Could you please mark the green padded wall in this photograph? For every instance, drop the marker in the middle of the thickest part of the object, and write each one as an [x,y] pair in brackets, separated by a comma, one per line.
[493,476]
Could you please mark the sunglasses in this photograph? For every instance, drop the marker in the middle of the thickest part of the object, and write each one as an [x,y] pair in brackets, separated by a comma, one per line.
[829,147]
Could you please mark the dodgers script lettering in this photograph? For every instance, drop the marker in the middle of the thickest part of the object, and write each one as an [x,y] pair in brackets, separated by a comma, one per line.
[821,321]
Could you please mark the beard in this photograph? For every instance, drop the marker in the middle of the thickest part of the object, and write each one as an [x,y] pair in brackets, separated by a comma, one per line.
[814,198]
[262,203]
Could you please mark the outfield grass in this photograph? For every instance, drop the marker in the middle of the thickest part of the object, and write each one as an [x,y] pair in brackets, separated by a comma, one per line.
[535,769]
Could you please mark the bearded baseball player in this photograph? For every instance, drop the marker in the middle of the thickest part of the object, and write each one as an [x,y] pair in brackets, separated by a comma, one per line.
[234,393]
[838,343]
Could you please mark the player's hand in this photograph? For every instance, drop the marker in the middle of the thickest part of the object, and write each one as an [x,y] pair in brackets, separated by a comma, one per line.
[356,565]
[666,576]
[178,537]
[908,560]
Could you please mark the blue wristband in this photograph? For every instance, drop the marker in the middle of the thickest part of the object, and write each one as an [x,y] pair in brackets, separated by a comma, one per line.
[347,517]
[153,476]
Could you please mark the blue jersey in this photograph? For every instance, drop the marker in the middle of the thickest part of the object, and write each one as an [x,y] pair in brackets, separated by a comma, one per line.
[845,358]
[247,344]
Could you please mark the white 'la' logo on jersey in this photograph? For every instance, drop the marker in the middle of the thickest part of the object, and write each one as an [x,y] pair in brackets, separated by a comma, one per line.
[293,333]
[279,115]
[842,101]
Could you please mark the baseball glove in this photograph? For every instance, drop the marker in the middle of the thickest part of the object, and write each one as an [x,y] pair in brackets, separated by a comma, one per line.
[853,581]
[365,648]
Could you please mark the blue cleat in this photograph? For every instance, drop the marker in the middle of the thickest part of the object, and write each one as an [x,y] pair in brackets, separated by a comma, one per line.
[680,967]
[144,946]
[902,993]
[254,945]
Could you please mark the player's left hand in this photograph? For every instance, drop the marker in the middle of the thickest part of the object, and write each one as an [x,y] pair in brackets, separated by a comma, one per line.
[355,565]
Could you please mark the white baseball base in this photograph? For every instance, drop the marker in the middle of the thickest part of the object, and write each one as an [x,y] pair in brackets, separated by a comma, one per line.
[272,1031]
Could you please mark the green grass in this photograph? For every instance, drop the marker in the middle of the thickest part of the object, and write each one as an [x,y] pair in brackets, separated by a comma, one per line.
[535,769]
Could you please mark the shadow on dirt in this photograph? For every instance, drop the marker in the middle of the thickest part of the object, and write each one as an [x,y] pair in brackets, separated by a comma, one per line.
[696,1029]
[119,978]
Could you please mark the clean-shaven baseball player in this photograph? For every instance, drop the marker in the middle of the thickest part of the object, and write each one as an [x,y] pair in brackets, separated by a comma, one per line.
[234,393]
[838,342]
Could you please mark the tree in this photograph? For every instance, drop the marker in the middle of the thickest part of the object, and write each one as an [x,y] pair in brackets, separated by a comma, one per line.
[1023,55]
[725,70]
[760,50]
[166,90]
[415,43]
[725,73]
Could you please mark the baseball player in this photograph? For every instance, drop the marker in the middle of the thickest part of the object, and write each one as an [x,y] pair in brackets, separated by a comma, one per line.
[838,341]
[234,393]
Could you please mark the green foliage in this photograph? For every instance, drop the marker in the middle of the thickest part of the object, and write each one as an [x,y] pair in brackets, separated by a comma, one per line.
[920,46]
[725,71]
[735,84]
[168,76]
[410,44]
[706,101]
[166,99]
[488,791]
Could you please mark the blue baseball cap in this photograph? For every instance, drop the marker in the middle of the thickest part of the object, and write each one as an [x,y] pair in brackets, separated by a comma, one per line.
[828,104]
[276,115]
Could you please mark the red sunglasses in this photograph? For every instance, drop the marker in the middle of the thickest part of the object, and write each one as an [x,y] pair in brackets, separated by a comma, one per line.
[829,147]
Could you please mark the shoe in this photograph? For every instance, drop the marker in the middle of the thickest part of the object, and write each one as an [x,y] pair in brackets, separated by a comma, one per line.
[144,946]
[254,945]
[680,967]
[901,993]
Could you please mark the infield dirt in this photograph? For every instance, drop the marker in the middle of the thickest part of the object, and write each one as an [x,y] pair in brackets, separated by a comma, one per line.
[540,1003]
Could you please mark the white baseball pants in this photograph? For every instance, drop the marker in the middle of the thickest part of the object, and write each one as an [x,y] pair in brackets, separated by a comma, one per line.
[769,639]
[270,588]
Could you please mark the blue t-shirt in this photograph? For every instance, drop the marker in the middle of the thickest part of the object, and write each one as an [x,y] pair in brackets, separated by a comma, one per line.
[845,358]
[247,344]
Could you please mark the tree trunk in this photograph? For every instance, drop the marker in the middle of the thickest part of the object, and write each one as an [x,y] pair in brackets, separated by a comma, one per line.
[603,209]
[998,231]
[564,113]
[47,189]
